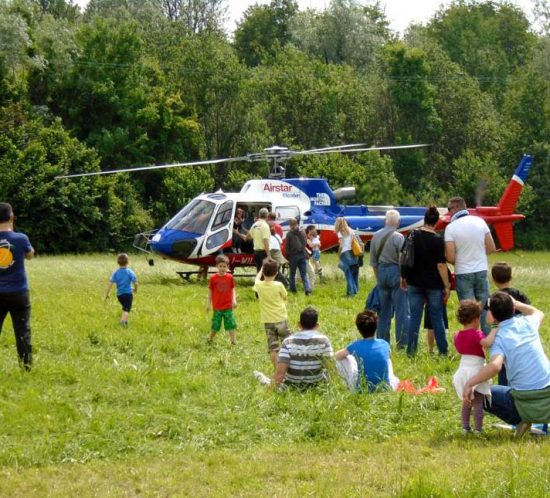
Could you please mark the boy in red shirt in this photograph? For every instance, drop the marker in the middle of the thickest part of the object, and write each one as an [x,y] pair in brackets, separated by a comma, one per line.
[223,299]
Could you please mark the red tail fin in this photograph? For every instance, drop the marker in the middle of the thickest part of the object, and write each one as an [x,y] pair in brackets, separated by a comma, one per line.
[510,197]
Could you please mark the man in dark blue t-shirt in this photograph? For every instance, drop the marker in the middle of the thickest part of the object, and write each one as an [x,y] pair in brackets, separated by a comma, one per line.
[14,289]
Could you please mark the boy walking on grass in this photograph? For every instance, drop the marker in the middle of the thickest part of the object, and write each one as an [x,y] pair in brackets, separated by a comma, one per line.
[272,296]
[123,278]
[223,299]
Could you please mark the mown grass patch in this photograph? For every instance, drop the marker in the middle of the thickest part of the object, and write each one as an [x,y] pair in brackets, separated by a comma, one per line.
[157,396]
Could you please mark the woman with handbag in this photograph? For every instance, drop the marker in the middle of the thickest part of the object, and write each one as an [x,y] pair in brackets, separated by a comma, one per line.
[348,263]
[427,280]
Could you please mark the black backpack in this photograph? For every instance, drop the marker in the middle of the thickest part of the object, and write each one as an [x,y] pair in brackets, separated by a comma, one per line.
[406,258]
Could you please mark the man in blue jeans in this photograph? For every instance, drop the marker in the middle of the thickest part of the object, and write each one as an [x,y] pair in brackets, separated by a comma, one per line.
[468,240]
[385,248]
[518,345]
[296,254]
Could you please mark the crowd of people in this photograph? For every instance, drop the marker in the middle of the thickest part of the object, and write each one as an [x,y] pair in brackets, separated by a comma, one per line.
[505,324]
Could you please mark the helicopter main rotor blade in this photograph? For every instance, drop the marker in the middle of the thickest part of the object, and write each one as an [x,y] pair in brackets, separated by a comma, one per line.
[160,166]
[366,149]
[334,147]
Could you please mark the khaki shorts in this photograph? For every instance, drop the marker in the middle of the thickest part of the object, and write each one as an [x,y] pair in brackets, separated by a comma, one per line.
[276,332]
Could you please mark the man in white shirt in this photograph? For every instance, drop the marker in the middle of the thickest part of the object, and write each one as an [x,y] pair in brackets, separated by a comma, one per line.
[468,240]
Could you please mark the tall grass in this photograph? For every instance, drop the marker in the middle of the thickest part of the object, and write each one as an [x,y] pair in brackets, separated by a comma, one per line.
[156,394]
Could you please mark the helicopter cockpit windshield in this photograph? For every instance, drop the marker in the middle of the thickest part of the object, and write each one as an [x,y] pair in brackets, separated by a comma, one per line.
[194,217]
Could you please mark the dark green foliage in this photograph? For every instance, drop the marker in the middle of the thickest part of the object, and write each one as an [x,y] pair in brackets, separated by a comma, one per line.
[263,30]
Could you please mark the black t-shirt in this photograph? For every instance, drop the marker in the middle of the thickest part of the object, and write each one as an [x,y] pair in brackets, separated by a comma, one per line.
[429,250]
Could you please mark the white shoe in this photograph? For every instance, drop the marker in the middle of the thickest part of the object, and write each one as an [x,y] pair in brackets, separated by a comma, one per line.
[262,378]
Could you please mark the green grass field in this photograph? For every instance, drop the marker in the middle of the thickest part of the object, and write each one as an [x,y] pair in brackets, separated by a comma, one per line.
[154,410]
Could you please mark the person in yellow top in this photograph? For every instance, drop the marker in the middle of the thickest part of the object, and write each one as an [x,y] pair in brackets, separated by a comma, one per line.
[272,297]
[260,234]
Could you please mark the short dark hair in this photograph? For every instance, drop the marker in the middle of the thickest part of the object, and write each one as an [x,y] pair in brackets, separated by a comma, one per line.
[501,306]
[222,258]
[6,212]
[272,216]
[457,202]
[309,228]
[501,272]
[366,323]
[431,216]
[309,318]
[270,268]
[468,311]
[122,259]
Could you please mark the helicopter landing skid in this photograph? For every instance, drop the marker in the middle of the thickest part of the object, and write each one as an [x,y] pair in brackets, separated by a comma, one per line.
[203,274]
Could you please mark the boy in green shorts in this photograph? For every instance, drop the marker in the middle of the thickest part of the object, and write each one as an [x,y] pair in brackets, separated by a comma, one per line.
[272,297]
[223,299]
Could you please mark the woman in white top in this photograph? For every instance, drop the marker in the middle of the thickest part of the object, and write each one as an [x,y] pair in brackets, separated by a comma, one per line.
[348,262]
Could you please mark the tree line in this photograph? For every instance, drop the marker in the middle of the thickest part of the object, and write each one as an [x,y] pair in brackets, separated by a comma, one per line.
[134,82]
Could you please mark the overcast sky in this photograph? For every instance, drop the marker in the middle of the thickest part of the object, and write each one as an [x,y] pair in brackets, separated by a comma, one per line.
[399,12]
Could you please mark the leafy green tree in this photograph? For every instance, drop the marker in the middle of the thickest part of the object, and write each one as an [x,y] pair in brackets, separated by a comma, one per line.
[489,40]
[345,32]
[263,30]
[308,103]
[61,215]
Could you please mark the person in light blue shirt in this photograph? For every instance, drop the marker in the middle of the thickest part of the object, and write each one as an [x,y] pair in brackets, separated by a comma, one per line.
[124,278]
[366,362]
[518,346]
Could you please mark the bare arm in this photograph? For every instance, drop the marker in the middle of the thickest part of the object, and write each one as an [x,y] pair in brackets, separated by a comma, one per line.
[450,252]
[488,340]
[340,355]
[444,274]
[30,254]
[234,297]
[487,372]
[135,287]
[209,300]
[280,373]
[108,290]
[489,243]
[527,309]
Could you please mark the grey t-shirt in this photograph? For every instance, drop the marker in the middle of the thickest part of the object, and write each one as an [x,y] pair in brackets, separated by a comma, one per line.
[391,250]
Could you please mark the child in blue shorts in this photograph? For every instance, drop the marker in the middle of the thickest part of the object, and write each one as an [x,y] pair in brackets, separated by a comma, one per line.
[223,299]
[124,278]
[314,244]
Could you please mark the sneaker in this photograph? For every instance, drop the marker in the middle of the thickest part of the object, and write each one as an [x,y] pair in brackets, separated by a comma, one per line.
[466,430]
[538,430]
[522,428]
[263,379]
[308,293]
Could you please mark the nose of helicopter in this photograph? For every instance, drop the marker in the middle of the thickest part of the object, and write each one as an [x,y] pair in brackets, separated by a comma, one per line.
[174,243]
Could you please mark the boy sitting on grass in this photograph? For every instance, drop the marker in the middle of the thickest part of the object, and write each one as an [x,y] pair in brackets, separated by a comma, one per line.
[223,299]
[272,296]
[124,277]
[304,357]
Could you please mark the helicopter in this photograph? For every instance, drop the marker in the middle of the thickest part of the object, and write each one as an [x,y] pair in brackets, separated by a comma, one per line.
[204,227]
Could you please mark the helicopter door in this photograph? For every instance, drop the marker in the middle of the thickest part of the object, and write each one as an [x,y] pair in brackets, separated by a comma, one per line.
[221,229]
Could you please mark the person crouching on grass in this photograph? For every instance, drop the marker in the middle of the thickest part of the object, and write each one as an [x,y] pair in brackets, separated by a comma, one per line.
[123,278]
[223,299]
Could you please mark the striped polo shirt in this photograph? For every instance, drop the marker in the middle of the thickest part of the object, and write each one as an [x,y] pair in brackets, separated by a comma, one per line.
[304,351]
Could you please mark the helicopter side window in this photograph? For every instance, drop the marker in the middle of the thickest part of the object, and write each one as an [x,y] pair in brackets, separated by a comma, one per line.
[224,215]
[287,212]
[217,239]
[194,217]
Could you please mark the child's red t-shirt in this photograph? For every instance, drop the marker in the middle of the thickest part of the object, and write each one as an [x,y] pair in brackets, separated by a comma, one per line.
[222,291]
[467,342]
